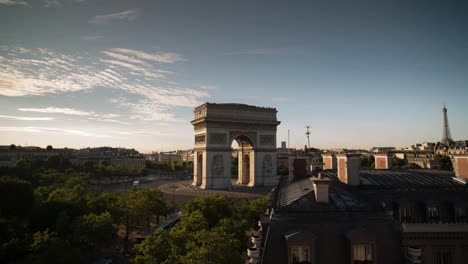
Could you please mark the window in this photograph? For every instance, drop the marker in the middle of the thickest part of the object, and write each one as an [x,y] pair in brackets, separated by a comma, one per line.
[460,214]
[432,214]
[443,257]
[300,255]
[362,254]
[406,215]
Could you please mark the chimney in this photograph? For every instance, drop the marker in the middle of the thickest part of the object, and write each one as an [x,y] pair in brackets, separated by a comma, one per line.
[329,160]
[321,186]
[383,160]
[460,165]
[349,166]
[283,145]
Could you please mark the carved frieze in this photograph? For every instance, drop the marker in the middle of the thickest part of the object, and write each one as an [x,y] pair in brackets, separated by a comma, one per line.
[199,126]
[218,166]
[217,138]
[267,140]
[267,167]
[242,126]
[200,139]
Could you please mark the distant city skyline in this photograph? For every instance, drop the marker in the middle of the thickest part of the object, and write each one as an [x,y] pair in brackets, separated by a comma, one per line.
[82,73]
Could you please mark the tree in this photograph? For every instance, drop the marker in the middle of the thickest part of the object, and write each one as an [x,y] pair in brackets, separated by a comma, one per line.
[88,166]
[445,162]
[94,230]
[49,148]
[234,167]
[12,146]
[212,230]
[213,207]
[48,247]
[134,209]
[16,198]
[23,169]
[250,210]
[368,162]
[156,248]
[283,169]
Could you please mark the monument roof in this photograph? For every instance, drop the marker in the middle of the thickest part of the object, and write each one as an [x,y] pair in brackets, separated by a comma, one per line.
[236,106]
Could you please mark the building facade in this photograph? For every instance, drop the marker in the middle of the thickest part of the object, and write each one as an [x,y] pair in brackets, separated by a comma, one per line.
[381,216]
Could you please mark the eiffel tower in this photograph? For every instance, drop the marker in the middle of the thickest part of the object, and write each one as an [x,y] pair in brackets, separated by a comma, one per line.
[447,138]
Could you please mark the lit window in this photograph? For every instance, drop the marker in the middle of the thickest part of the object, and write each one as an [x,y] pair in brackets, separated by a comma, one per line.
[362,254]
[300,255]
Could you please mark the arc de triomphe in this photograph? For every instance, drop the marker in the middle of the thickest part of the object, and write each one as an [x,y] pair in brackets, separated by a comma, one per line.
[216,127]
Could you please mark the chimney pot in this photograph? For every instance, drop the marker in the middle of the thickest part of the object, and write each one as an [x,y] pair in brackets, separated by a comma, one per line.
[349,166]
[383,160]
[321,189]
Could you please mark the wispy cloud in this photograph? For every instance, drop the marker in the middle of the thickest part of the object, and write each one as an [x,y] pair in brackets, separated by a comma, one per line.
[41,71]
[25,118]
[14,2]
[60,3]
[71,111]
[165,57]
[127,15]
[57,110]
[55,131]
[134,69]
[67,111]
[124,58]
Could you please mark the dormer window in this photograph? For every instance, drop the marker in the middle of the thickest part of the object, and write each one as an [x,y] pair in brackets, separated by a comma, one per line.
[300,247]
[300,255]
[362,254]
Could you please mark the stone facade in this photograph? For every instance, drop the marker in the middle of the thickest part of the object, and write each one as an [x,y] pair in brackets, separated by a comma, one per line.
[253,128]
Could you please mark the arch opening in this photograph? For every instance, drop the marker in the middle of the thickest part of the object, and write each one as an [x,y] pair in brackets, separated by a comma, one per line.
[242,158]
[199,168]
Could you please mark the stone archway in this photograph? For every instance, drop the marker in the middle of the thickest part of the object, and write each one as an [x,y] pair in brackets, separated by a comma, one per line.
[245,173]
[199,168]
[216,127]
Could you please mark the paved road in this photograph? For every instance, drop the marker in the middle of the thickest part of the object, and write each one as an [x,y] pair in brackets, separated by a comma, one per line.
[178,192]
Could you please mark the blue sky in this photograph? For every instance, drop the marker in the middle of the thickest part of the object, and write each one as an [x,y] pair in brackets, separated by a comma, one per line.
[81,73]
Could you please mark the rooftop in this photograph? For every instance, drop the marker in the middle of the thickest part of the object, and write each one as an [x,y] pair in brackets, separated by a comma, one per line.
[405,179]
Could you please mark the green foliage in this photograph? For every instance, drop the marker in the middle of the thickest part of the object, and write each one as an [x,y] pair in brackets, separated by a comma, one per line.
[250,210]
[213,246]
[156,248]
[283,169]
[368,162]
[22,169]
[16,198]
[139,206]
[403,164]
[48,247]
[212,230]
[445,161]
[235,167]
[213,207]
[94,230]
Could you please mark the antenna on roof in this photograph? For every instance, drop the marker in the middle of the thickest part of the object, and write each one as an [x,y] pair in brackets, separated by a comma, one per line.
[308,136]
